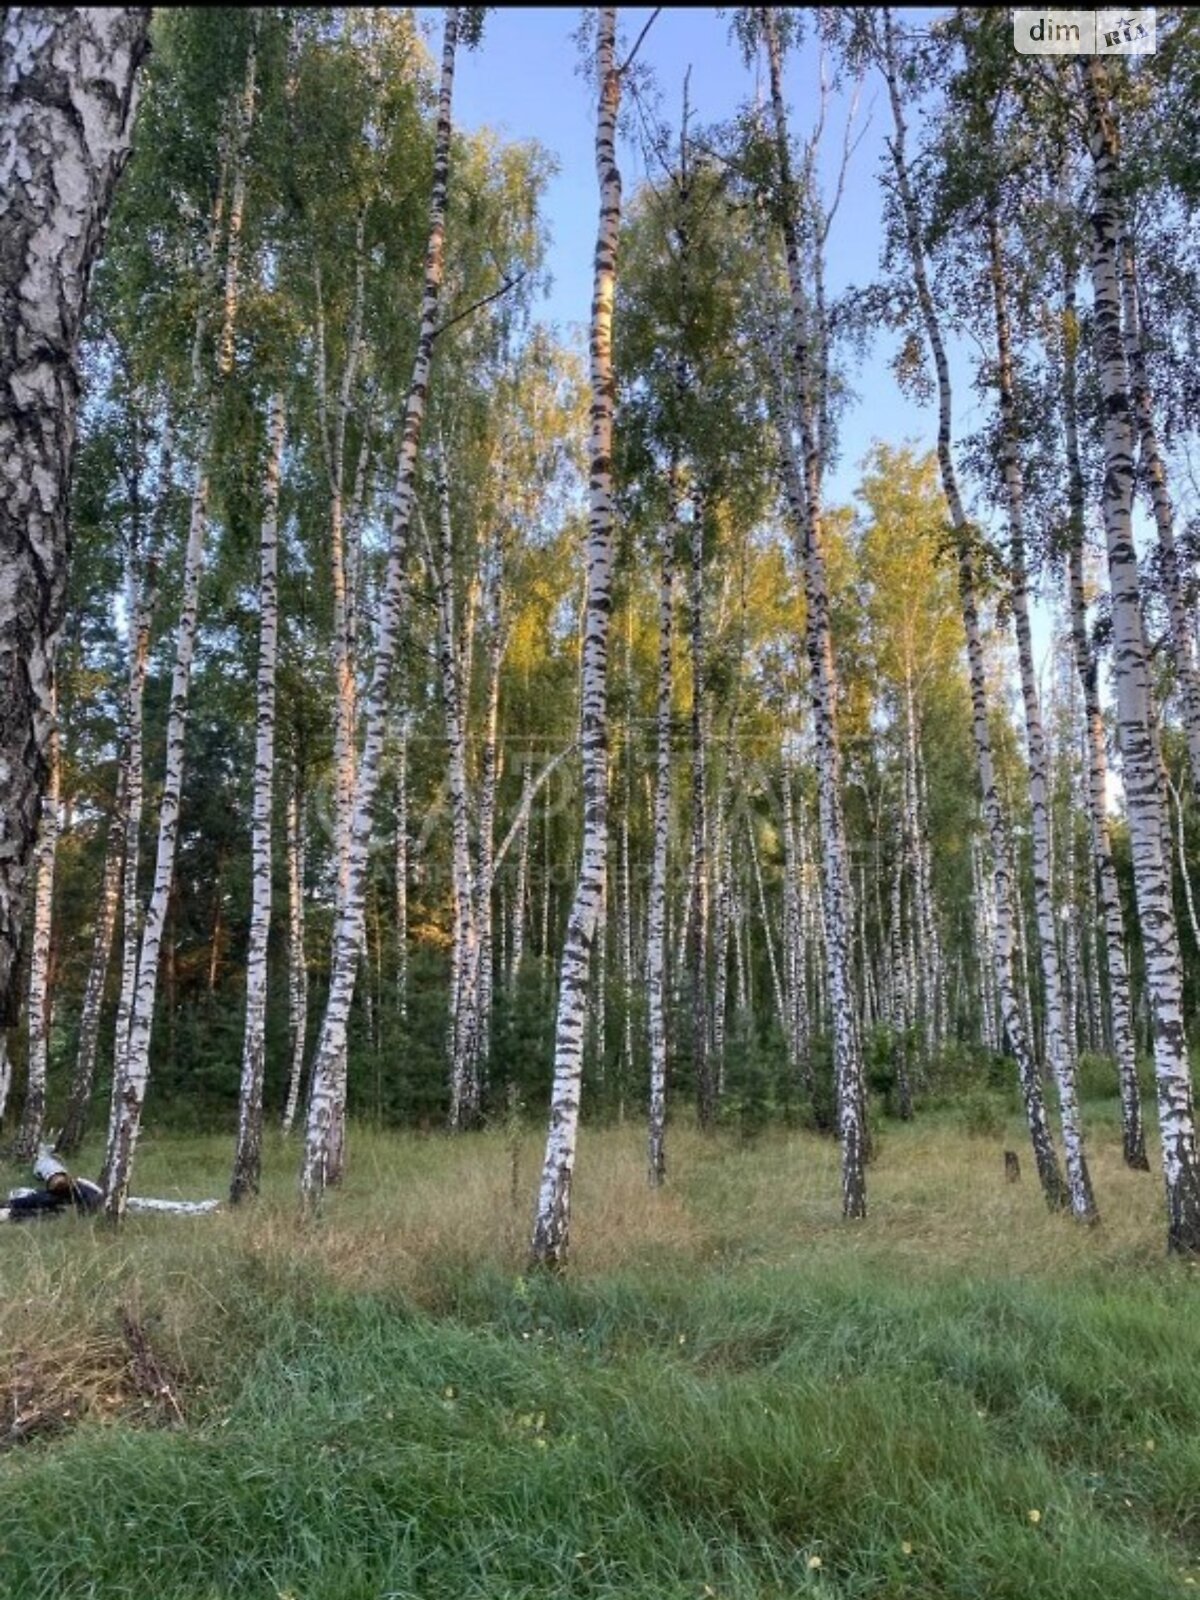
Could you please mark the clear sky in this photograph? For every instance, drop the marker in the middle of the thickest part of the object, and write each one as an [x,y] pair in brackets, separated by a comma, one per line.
[524,82]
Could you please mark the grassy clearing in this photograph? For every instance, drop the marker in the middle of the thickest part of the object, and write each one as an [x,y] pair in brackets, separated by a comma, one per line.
[732,1394]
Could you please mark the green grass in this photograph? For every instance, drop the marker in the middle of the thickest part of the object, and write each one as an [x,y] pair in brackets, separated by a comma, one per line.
[729,1387]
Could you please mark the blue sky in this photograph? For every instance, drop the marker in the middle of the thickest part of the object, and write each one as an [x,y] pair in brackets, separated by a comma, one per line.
[524,82]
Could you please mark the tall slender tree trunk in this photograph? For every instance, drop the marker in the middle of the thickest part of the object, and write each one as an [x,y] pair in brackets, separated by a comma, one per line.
[1045,1157]
[69,93]
[1143,795]
[1181,635]
[80,1098]
[1096,753]
[247,1162]
[297,964]
[551,1231]
[805,492]
[323,1141]
[517,949]
[698,923]
[129,1084]
[656,923]
[401,870]
[33,1112]
[1058,1038]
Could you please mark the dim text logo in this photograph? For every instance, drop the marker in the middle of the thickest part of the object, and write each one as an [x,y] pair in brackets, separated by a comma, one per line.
[1084,33]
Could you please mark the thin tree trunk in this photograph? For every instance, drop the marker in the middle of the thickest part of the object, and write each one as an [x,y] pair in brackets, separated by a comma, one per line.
[551,1232]
[805,493]
[1144,799]
[323,1141]
[401,870]
[129,1085]
[1181,636]
[247,1162]
[656,924]
[518,914]
[33,1112]
[297,965]
[1058,1043]
[1045,1156]
[698,921]
[80,1098]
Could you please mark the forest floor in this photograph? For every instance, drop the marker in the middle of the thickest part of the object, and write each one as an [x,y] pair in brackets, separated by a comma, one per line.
[732,1393]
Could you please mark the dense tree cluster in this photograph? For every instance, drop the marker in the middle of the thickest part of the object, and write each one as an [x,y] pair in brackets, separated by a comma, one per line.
[448,724]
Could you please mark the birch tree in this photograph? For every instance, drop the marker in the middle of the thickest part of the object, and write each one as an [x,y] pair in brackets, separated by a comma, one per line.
[247,1163]
[1045,1157]
[66,117]
[1143,794]
[324,1131]
[551,1230]
[804,489]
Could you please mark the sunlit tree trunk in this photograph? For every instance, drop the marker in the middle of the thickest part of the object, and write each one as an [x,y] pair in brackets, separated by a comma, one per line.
[1143,795]
[1058,1039]
[33,1111]
[324,1131]
[1045,1157]
[551,1232]
[69,79]
[247,1162]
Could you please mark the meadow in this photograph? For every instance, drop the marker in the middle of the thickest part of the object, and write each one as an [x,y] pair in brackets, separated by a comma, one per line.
[731,1394]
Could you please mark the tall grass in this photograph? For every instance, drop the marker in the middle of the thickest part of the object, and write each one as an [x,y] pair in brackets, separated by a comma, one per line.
[732,1394]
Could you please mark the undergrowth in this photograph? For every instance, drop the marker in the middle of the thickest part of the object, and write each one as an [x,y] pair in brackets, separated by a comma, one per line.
[731,1393]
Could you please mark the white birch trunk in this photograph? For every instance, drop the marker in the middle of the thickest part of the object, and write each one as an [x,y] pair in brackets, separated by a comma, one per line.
[323,1141]
[551,1231]
[69,94]
[656,922]
[297,965]
[1011,1019]
[1181,635]
[247,1163]
[75,1121]
[805,493]
[1058,1040]
[1143,796]
[33,1111]
[130,1081]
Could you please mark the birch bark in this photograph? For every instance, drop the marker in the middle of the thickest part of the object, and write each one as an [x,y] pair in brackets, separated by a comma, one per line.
[1143,796]
[323,1140]
[551,1231]
[33,1111]
[1058,1040]
[297,965]
[247,1161]
[80,1098]
[1096,755]
[69,79]
[1045,1156]
[806,506]
[129,1084]
[656,922]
